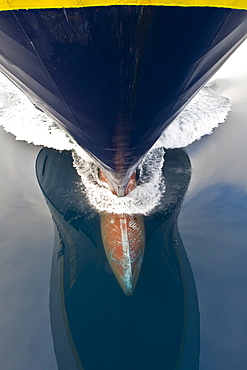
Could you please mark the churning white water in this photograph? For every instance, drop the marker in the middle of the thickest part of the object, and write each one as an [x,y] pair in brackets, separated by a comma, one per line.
[204,113]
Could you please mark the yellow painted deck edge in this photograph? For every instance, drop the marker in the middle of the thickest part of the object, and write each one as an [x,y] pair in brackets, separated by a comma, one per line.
[49,4]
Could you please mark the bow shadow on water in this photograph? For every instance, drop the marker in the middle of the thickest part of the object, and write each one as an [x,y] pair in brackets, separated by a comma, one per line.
[94,325]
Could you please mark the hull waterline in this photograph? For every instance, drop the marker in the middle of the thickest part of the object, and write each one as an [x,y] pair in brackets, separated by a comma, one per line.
[114,77]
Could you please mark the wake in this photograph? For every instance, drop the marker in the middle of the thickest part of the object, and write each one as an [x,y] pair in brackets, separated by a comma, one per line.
[202,115]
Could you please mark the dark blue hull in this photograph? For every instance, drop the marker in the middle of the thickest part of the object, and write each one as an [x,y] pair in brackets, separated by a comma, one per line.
[115,77]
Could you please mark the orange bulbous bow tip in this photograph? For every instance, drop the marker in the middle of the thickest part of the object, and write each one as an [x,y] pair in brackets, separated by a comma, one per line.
[123,237]
[124,242]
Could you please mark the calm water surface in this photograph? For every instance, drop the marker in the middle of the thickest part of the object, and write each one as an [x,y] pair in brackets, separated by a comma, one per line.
[26,242]
[213,226]
[58,294]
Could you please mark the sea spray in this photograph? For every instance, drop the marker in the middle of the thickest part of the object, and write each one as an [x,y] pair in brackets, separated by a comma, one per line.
[199,118]
[19,117]
[141,200]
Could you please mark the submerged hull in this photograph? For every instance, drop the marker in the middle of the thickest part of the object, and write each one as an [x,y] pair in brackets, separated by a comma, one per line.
[94,326]
[123,238]
[115,77]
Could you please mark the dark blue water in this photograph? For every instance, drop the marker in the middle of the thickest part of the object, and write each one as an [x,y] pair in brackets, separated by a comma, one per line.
[61,304]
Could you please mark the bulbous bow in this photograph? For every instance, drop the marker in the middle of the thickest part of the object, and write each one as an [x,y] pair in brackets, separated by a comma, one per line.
[123,237]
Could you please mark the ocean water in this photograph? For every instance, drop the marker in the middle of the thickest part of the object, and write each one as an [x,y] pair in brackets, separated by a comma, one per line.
[61,306]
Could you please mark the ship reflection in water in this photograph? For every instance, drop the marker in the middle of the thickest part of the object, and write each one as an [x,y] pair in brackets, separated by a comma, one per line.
[95,326]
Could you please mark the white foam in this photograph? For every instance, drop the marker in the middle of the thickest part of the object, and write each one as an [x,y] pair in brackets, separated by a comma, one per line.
[19,117]
[203,114]
[141,200]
